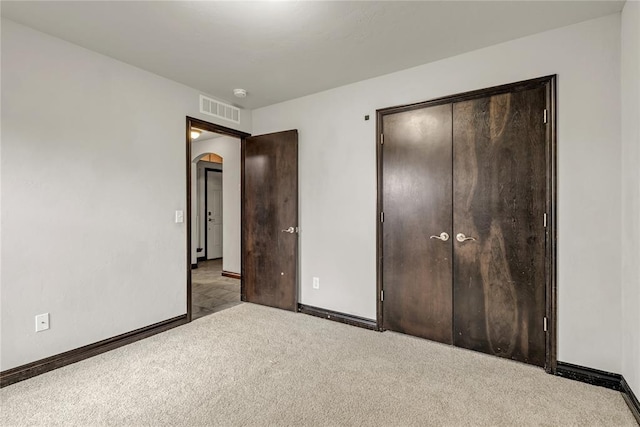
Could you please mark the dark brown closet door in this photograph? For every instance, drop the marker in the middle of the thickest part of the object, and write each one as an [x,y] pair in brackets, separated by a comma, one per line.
[416,201]
[270,219]
[499,201]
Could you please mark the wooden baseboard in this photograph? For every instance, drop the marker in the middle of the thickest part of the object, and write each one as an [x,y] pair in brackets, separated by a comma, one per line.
[194,266]
[589,375]
[631,399]
[336,316]
[602,379]
[231,274]
[201,258]
[20,373]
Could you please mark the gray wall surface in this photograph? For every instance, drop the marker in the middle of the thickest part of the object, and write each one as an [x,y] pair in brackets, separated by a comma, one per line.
[337,155]
[78,130]
[229,149]
[631,194]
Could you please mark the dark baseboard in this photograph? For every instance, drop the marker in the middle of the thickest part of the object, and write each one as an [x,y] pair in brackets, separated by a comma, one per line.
[589,375]
[631,399]
[194,266]
[360,322]
[20,373]
[201,258]
[602,379]
[231,274]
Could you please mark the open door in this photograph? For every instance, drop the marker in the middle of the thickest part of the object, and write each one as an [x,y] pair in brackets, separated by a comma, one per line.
[270,219]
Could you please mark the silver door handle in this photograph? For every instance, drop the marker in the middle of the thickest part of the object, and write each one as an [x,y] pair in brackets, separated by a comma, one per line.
[289,230]
[443,236]
[462,238]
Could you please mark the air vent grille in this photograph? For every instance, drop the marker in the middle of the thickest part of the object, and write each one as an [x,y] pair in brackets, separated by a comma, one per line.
[214,108]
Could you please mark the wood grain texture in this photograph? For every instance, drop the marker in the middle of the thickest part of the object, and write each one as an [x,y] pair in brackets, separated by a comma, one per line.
[416,200]
[499,199]
[551,359]
[270,204]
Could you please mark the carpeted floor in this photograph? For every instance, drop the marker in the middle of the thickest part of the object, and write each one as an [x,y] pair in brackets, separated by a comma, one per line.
[252,365]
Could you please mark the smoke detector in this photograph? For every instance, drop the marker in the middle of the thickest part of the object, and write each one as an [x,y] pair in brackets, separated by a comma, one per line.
[240,93]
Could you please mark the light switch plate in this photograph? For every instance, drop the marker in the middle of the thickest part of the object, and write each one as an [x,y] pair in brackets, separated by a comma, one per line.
[179,217]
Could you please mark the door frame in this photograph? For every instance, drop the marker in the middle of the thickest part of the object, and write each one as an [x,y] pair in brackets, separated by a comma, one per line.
[206,184]
[210,127]
[549,82]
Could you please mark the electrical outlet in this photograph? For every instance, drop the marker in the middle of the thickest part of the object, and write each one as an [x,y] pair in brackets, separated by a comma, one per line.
[316,283]
[42,322]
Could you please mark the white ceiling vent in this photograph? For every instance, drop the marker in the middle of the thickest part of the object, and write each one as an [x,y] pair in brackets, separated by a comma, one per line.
[214,108]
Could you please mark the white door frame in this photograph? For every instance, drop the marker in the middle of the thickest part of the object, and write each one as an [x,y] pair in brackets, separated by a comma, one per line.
[205,217]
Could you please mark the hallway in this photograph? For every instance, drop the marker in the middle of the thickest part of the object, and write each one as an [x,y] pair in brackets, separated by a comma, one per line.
[211,292]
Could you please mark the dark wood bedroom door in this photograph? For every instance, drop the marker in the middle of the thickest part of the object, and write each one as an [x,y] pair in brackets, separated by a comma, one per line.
[416,241]
[270,219]
[499,181]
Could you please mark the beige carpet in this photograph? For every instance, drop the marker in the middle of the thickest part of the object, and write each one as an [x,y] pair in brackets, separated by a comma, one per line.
[252,365]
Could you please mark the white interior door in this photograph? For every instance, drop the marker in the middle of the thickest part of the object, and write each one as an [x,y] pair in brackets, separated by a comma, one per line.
[213,217]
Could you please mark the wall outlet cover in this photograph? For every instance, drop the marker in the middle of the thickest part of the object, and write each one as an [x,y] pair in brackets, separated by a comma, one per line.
[42,322]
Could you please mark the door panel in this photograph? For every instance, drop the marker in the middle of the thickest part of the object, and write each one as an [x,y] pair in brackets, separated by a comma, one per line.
[499,200]
[214,214]
[270,205]
[416,200]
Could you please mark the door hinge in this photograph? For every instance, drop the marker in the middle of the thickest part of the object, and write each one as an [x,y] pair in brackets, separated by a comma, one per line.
[381,139]
[545,220]
[381,216]
[545,324]
[382,295]
[545,115]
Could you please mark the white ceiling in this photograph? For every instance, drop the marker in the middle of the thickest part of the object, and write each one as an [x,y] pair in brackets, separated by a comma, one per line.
[280,50]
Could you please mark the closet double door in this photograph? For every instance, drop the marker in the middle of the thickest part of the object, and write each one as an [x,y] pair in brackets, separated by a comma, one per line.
[463,196]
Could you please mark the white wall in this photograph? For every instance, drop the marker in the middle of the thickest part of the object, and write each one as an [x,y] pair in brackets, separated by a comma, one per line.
[631,194]
[78,129]
[337,156]
[229,149]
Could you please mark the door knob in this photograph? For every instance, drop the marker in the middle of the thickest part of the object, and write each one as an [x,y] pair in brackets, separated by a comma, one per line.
[462,238]
[289,230]
[443,236]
